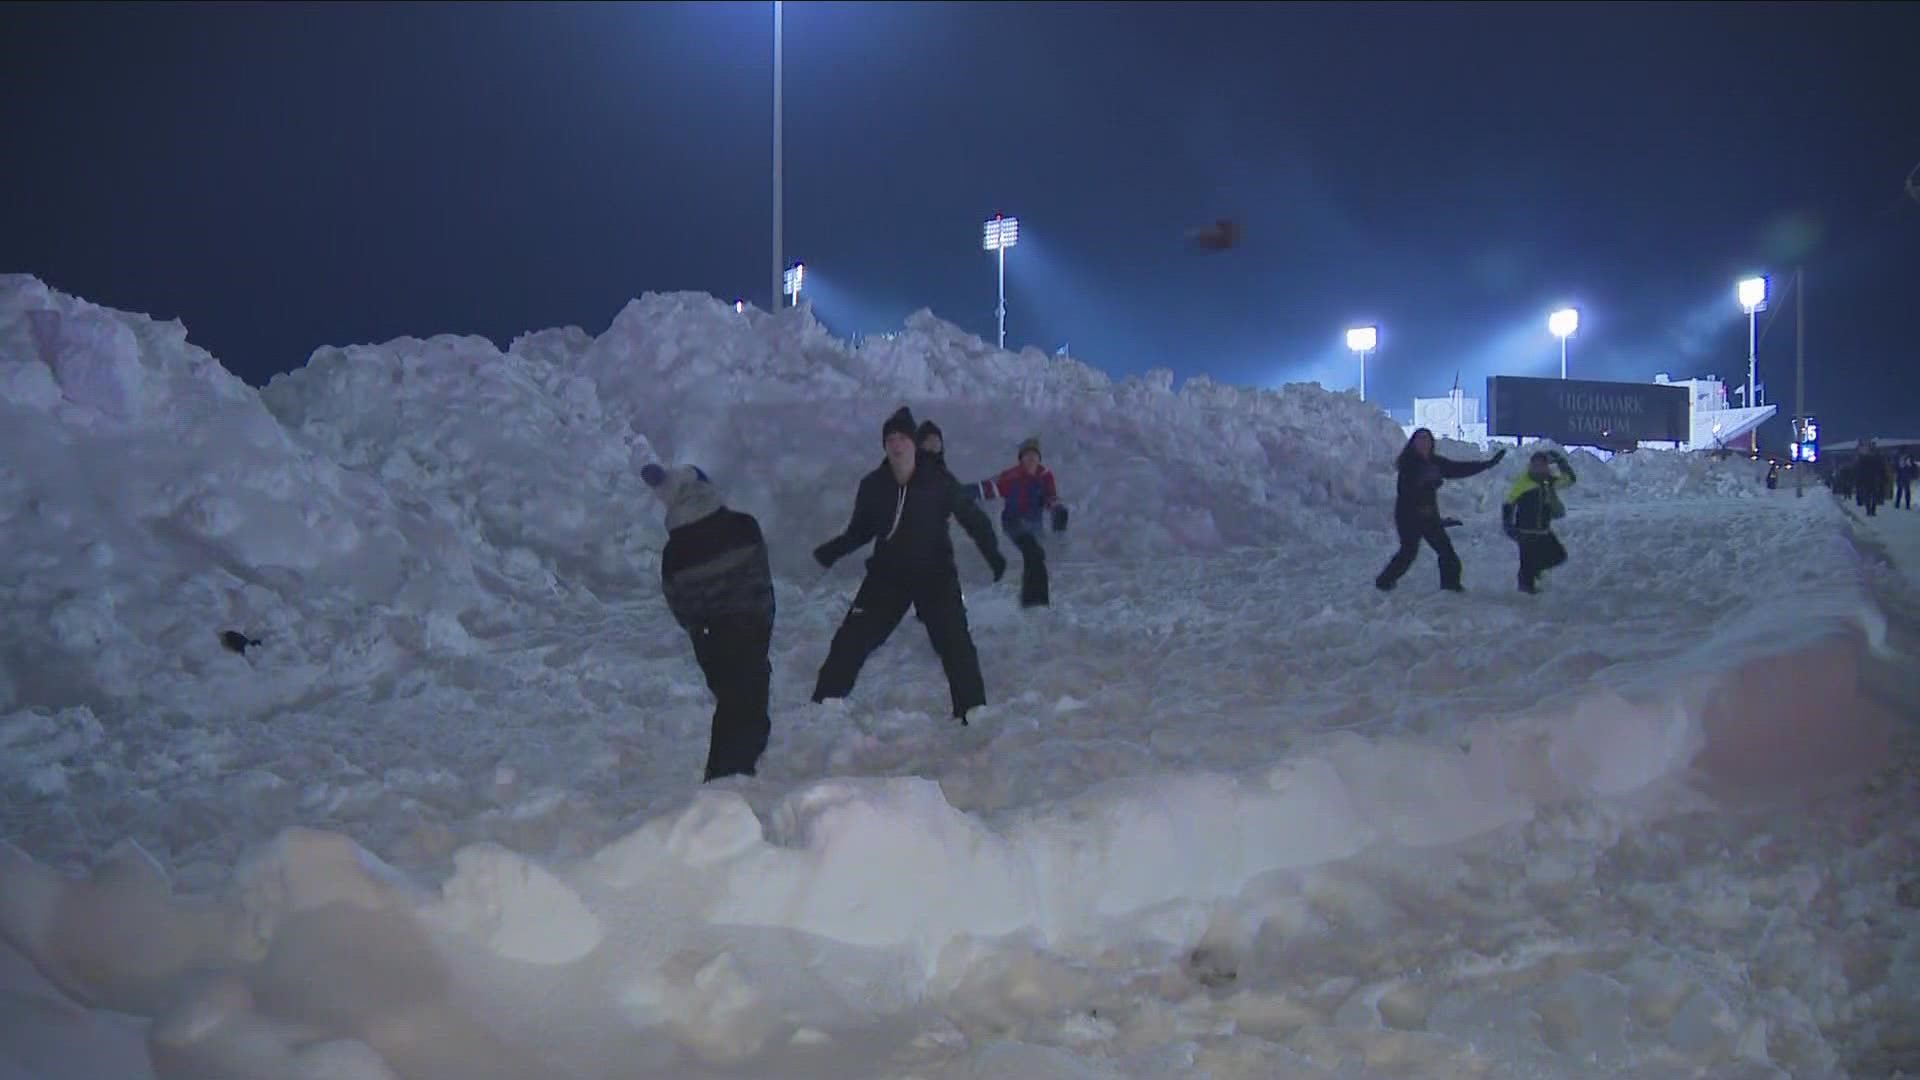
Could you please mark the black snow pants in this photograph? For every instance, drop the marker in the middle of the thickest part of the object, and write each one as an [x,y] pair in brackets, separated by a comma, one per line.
[878,608]
[1025,535]
[1903,492]
[733,655]
[1539,552]
[1412,531]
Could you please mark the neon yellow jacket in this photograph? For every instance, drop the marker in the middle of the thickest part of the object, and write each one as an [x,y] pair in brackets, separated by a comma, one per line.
[1533,505]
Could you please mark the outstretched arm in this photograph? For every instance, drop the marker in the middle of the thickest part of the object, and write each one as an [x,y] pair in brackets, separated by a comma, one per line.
[859,531]
[974,520]
[1460,470]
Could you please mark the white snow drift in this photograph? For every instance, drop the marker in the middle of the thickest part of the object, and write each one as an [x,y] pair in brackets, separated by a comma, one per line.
[1232,813]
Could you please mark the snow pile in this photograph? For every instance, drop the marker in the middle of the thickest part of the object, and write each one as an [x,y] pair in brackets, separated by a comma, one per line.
[1643,476]
[1232,811]
[150,501]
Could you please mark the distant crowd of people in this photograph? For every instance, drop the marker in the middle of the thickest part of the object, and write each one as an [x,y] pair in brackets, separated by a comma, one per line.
[1872,476]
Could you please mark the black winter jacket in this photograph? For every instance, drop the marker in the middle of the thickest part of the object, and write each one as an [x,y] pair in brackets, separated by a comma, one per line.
[716,568]
[908,525]
[1418,494]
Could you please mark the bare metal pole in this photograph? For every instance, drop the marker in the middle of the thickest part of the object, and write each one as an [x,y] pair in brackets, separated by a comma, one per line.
[779,257]
[1800,373]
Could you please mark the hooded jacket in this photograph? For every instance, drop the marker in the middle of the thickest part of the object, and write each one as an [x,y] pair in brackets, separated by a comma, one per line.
[715,563]
[908,523]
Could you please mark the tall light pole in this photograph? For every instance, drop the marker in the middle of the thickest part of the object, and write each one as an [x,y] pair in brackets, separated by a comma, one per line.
[1363,340]
[791,283]
[1800,375]
[1752,294]
[1000,234]
[1562,324]
[779,257]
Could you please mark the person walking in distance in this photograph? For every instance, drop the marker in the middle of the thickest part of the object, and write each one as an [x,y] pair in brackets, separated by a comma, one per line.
[1527,516]
[1027,494]
[1416,509]
[1870,478]
[903,508]
[719,587]
[1904,475]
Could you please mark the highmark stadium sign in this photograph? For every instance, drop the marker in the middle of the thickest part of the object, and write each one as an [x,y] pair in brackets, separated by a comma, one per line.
[1582,412]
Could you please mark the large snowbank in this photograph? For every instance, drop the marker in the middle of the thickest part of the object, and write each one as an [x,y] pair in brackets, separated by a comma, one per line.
[1211,762]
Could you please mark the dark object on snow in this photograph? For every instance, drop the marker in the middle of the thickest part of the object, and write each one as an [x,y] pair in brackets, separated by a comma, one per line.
[236,642]
[1451,523]
[1059,517]
[1222,235]
[719,587]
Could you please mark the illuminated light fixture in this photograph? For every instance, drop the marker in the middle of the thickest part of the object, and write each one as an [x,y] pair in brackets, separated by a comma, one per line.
[1752,294]
[1362,340]
[1562,325]
[1001,232]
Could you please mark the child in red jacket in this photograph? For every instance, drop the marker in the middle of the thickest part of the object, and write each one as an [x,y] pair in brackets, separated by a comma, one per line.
[1028,492]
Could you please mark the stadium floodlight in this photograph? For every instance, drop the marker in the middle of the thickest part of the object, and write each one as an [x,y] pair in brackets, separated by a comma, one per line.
[795,277]
[1363,340]
[1562,324]
[1001,233]
[739,307]
[1752,294]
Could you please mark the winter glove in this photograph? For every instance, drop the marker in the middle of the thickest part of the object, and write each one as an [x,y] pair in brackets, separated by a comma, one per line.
[1450,522]
[823,556]
[998,564]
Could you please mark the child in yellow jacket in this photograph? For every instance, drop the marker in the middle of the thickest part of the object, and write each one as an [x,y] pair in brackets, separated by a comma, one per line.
[1532,506]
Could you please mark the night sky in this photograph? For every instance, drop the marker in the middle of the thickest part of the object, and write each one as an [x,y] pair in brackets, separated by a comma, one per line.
[287,176]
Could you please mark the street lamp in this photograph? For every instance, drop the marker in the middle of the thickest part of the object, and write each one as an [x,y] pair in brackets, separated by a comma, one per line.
[1562,324]
[1363,340]
[1752,294]
[791,282]
[1000,234]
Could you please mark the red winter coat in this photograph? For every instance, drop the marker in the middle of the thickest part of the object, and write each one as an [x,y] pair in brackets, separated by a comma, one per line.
[1027,494]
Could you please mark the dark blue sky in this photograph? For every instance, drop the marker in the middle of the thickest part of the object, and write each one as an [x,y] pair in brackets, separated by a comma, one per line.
[286,176]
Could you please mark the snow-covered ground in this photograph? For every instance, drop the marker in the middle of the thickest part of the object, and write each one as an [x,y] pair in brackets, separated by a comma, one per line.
[1232,812]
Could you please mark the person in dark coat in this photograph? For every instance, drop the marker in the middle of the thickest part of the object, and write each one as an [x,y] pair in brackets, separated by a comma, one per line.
[1028,494]
[933,443]
[1903,476]
[903,508]
[719,587]
[1870,478]
[1416,509]
[1527,516]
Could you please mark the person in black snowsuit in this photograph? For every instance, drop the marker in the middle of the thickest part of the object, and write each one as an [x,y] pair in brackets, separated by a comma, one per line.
[1416,509]
[719,587]
[1903,477]
[903,508]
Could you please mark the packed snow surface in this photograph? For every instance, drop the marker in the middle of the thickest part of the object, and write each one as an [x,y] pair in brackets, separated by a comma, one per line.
[1231,813]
